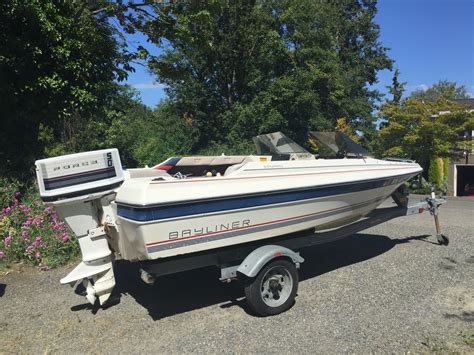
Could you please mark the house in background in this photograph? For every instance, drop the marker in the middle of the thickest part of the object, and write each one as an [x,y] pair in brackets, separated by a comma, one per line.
[461,170]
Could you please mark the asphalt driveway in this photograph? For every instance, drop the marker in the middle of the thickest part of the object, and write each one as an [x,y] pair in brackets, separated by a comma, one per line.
[388,289]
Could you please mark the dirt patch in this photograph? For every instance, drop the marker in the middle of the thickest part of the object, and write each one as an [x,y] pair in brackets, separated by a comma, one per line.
[458,302]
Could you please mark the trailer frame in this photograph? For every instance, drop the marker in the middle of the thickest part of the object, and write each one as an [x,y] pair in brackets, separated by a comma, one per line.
[245,262]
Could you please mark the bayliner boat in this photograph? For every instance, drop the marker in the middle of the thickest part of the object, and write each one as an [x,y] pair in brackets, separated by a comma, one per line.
[227,200]
[190,205]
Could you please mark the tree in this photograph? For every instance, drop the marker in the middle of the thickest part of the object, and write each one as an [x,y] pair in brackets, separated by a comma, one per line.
[121,123]
[397,88]
[423,130]
[166,133]
[343,127]
[450,90]
[58,64]
[242,68]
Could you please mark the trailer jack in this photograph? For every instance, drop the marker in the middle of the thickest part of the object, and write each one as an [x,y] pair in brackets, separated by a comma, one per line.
[433,206]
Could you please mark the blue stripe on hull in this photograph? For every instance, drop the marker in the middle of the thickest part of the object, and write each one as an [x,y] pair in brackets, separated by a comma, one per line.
[197,239]
[147,213]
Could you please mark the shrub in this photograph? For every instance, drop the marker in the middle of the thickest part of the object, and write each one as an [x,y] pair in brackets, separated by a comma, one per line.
[418,185]
[445,170]
[436,173]
[30,231]
[8,188]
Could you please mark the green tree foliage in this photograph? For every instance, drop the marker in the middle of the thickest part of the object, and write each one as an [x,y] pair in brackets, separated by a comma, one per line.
[423,130]
[397,88]
[58,64]
[143,136]
[120,124]
[149,138]
[448,89]
[125,126]
[235,69]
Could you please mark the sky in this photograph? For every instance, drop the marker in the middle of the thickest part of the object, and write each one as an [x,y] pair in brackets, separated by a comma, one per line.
[430,40]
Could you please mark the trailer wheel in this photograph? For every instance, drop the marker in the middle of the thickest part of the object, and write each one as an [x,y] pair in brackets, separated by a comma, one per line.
[274,288]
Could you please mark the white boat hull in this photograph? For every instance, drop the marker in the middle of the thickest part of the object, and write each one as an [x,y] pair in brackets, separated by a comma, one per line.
[160,238]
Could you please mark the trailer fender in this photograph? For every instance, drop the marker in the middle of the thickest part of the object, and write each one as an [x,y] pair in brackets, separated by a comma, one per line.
[258,258]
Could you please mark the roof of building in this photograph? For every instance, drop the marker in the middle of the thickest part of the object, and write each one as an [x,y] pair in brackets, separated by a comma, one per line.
[468,102]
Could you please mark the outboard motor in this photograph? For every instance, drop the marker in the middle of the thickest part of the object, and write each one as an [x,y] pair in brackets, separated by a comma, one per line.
[81,187]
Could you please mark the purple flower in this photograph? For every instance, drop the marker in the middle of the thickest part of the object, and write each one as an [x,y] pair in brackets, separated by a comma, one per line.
[2,254]
[7,240]
[17,193]
[37,221]
[56,226]
[65,237]
[37,255]
[25,209]
[24,235]
[37,241]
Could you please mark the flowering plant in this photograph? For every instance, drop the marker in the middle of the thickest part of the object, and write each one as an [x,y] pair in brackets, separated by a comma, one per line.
[31,231]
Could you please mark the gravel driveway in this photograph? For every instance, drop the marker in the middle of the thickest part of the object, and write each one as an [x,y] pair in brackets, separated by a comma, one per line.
[389,289]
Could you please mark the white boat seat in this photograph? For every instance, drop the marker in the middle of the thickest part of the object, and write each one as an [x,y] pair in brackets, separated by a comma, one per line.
[233,168]
[146,172]
[201,165]
[222,164]
[195,161]
[228,160]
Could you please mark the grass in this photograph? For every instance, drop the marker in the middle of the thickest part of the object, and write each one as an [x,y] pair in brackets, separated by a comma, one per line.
[435,346]
[468,339]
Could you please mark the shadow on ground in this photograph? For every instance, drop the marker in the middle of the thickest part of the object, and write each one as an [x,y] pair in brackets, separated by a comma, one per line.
[186,291]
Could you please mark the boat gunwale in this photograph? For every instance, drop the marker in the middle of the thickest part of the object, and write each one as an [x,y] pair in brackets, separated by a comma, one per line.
[217,178]
[260,193]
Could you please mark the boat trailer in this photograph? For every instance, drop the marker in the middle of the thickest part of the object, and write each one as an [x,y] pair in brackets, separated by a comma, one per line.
[269,271]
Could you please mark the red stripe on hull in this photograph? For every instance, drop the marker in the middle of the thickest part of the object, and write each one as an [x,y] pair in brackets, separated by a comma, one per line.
[253,225]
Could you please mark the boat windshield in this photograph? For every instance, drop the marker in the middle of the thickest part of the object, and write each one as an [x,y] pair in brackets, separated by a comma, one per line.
[336,144]
[277,145]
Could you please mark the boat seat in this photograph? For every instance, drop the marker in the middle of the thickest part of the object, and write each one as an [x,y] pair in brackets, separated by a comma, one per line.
[194,161]
[222,164]
[232,168]
[146,172]
[201,165]
[228,160]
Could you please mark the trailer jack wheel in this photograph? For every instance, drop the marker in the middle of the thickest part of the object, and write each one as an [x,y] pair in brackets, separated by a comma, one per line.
[274,288]
[442,239]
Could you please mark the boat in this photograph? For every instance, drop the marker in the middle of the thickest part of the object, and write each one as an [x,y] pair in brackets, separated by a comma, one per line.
[197,204]
[226,200]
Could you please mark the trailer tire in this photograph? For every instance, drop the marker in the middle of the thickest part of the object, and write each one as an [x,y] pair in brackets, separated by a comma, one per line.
[274,288]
